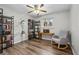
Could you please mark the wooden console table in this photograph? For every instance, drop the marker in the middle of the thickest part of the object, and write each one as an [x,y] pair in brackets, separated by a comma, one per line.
[42,33]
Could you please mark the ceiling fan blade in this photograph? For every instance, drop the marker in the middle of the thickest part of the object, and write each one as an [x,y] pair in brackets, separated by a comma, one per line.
[30,11]
[36,6]
[29,6]
[43,10]
[41,5]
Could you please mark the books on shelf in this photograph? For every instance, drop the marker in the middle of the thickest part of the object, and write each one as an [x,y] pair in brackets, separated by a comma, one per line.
[7,26]
[6,21]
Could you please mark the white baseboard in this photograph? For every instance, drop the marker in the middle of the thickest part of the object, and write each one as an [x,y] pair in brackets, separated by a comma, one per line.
[19,41]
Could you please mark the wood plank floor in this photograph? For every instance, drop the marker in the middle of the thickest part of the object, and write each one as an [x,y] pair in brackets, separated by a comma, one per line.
[35,47]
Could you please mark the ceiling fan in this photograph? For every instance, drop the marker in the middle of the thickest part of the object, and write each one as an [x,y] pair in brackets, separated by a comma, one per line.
[36,8]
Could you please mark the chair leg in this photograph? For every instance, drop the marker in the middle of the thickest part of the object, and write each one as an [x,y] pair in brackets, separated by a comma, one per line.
[58,45]
[66,46]
[62,48]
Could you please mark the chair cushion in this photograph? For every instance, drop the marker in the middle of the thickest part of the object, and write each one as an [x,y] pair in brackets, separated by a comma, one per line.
[57,40]
[55,36]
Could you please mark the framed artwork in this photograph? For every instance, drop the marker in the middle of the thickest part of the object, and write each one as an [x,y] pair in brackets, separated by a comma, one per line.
[50,22]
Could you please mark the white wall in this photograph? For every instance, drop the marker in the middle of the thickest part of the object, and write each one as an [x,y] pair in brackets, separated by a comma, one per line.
[60,21]
[75,28]
[17,18]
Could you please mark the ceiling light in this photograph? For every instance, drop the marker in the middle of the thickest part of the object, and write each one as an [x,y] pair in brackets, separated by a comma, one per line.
[36,11]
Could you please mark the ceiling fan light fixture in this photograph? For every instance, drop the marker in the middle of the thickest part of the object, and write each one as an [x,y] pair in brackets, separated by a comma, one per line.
[36,11]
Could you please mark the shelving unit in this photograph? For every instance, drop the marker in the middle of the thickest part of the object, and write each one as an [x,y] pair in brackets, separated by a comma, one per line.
[33,29]
[1,30]
[6,31]
[30,29]
[36,29]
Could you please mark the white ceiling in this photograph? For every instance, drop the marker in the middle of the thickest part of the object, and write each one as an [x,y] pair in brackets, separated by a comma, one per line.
[50,8]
